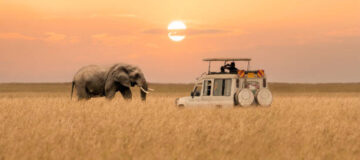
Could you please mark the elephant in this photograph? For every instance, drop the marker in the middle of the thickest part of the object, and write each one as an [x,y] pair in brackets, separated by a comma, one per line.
[99,81]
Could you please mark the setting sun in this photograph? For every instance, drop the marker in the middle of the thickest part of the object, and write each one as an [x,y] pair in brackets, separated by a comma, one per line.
[176,29]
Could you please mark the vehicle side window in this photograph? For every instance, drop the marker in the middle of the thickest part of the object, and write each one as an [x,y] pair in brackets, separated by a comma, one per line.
[227,88]
[218,87]
[222,87]
[207,88]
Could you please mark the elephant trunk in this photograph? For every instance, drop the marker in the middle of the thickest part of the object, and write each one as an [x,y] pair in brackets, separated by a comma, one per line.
[143,91]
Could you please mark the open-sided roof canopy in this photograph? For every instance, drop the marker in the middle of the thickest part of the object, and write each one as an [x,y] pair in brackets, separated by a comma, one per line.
[227,59]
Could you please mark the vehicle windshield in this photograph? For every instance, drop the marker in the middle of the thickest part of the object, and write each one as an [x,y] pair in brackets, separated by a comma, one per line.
[197,89]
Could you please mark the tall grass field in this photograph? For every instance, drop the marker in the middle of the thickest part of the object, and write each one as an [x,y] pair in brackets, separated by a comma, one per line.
[305,121]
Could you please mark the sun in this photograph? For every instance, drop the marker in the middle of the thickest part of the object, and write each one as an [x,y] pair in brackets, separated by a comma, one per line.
[176,30]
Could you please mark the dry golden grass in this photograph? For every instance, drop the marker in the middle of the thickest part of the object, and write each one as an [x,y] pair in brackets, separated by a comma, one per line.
[39,121]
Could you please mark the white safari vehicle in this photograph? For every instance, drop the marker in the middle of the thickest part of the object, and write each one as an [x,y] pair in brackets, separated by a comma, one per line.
[229,86]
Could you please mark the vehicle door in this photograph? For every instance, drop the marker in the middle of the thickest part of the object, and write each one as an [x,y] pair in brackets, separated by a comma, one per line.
[222,91]
[206,97]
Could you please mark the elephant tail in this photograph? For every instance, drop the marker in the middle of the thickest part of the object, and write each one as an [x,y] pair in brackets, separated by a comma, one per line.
[72,89]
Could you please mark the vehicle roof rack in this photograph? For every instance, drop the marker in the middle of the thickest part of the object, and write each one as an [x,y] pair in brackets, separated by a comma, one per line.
[227,60]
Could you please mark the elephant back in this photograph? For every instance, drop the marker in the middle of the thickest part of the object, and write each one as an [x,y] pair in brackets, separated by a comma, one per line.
[90,73]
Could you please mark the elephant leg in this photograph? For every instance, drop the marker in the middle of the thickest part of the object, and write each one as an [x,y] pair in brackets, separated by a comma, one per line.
[110,92]
[82,93]
[126,93]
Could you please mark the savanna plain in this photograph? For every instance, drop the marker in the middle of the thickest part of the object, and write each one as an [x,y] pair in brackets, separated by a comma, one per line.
[305,121]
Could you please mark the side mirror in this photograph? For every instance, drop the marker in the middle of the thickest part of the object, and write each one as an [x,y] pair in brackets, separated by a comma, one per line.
[192,94]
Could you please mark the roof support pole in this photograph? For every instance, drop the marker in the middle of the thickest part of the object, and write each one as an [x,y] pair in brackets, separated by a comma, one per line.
[248,66]
[209,67]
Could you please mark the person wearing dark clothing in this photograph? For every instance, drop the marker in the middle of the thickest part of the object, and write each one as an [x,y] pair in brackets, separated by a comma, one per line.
[231,67]
[222,69]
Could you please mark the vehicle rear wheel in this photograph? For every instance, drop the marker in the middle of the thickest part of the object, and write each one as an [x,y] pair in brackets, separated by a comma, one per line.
[264,97]
[244,97]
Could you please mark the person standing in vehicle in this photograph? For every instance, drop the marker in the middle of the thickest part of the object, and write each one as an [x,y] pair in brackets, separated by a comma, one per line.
[231,67]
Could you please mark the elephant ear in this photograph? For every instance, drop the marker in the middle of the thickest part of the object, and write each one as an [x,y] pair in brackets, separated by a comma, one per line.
[119,75]
[122,78]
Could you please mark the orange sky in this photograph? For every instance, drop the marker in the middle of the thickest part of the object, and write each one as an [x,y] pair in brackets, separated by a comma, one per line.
[294,41]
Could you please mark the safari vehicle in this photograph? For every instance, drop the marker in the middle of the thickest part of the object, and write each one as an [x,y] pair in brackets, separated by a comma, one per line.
[235,87]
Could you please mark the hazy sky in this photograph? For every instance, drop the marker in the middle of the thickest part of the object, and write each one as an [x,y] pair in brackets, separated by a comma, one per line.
[293,40]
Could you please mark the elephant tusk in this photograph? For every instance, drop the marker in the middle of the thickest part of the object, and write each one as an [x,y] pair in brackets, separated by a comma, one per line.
[150,89]
[144,90]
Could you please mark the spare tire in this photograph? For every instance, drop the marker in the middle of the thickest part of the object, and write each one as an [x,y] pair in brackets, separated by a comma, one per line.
[244,97]
[264,97]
